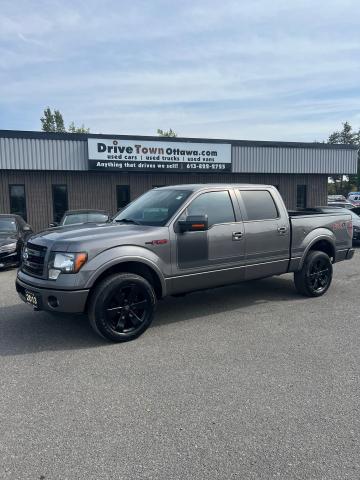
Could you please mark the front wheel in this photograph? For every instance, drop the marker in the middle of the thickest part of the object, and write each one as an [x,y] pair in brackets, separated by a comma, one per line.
[314,279]
[122,307]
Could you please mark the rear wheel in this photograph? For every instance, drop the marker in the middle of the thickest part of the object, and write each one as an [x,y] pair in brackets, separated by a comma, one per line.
[122,307]
[314,279]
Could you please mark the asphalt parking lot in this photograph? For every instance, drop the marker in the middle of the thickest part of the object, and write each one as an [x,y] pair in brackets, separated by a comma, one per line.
[250,381]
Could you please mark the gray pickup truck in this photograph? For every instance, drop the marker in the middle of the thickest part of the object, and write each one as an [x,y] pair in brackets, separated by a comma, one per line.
[174,240]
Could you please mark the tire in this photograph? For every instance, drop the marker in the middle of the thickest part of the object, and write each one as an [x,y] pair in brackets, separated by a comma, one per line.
[315,277]
[122,307]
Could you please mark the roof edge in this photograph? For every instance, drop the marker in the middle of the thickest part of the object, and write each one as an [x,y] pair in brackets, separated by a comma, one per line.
[249,143]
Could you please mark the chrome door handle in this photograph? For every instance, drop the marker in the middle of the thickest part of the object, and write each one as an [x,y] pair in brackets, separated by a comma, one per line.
[282,230]
[237,235]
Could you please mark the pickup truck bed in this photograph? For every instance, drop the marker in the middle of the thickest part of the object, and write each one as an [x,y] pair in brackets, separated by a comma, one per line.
[312,223]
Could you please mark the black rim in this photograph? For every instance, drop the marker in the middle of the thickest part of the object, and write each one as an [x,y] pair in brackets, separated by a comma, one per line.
[319,275]
[127,309]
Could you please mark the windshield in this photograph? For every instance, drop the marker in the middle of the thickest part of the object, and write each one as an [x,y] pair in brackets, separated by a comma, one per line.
[7,225]
[96,217]
[154,208]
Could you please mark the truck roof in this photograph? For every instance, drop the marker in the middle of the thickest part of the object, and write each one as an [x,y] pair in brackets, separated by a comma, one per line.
[199,186]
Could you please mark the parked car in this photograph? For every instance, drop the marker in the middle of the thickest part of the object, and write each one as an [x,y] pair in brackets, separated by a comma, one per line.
[14,231]
[356,210]
[336,198]
[354,198]
[175,240]
[72,217]
[345,204]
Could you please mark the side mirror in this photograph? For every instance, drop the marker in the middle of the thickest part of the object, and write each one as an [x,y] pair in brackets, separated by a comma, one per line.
[194,223]
[53,224]
[27,228]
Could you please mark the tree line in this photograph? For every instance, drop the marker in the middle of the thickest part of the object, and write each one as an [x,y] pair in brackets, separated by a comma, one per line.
[343,184]
[53,121]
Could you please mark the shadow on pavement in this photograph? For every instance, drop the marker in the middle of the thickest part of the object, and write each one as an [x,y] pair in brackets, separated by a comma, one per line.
[225,299]
[23,331]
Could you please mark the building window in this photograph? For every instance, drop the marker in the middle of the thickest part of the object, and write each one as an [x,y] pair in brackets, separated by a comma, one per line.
[60,201]
[122,196]
[301,200]
[18,200]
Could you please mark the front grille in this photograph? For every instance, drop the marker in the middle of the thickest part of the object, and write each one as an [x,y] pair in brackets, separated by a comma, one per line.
[33,259]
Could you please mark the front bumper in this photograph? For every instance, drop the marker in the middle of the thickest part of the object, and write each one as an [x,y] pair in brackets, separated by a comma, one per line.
[65,301]
[9,259]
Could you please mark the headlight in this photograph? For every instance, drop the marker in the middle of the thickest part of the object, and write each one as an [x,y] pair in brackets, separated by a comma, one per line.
[65,263]
[10,247]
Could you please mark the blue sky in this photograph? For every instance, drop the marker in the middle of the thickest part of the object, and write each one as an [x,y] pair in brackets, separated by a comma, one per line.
[270,70]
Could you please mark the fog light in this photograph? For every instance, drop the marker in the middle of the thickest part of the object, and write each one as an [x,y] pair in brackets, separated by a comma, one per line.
[53,302]
[53,274]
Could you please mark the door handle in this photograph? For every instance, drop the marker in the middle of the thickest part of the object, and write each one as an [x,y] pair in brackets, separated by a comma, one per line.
[237,235]
[282,230]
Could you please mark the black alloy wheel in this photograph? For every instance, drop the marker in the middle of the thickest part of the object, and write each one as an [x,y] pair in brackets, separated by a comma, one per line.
[126,309]
[319,275]
[122,307]
[315,276]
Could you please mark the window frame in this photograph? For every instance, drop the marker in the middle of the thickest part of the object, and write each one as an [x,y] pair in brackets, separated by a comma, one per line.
[53,200]
[25,203]
[243,206]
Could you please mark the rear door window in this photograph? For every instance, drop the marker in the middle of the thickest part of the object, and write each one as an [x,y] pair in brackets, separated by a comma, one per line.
[259,205]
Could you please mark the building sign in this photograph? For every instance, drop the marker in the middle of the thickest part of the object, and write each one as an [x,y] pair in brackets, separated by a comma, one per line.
[140,155]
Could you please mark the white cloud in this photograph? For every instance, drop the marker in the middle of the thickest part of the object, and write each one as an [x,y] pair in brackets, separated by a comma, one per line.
[256,69]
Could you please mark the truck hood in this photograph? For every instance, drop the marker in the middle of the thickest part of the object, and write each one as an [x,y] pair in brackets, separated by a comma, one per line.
[93,238]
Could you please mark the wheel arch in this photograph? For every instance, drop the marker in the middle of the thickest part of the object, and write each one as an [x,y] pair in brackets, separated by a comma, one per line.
[136,266]
[323,243]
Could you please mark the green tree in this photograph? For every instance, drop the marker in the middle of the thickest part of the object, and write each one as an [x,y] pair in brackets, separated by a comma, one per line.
[54,122]
[346,136]
[48,121]
[166,133]
[59,122]
[74,129]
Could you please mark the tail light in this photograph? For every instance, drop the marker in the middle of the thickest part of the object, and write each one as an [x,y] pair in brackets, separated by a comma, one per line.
[349,227]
